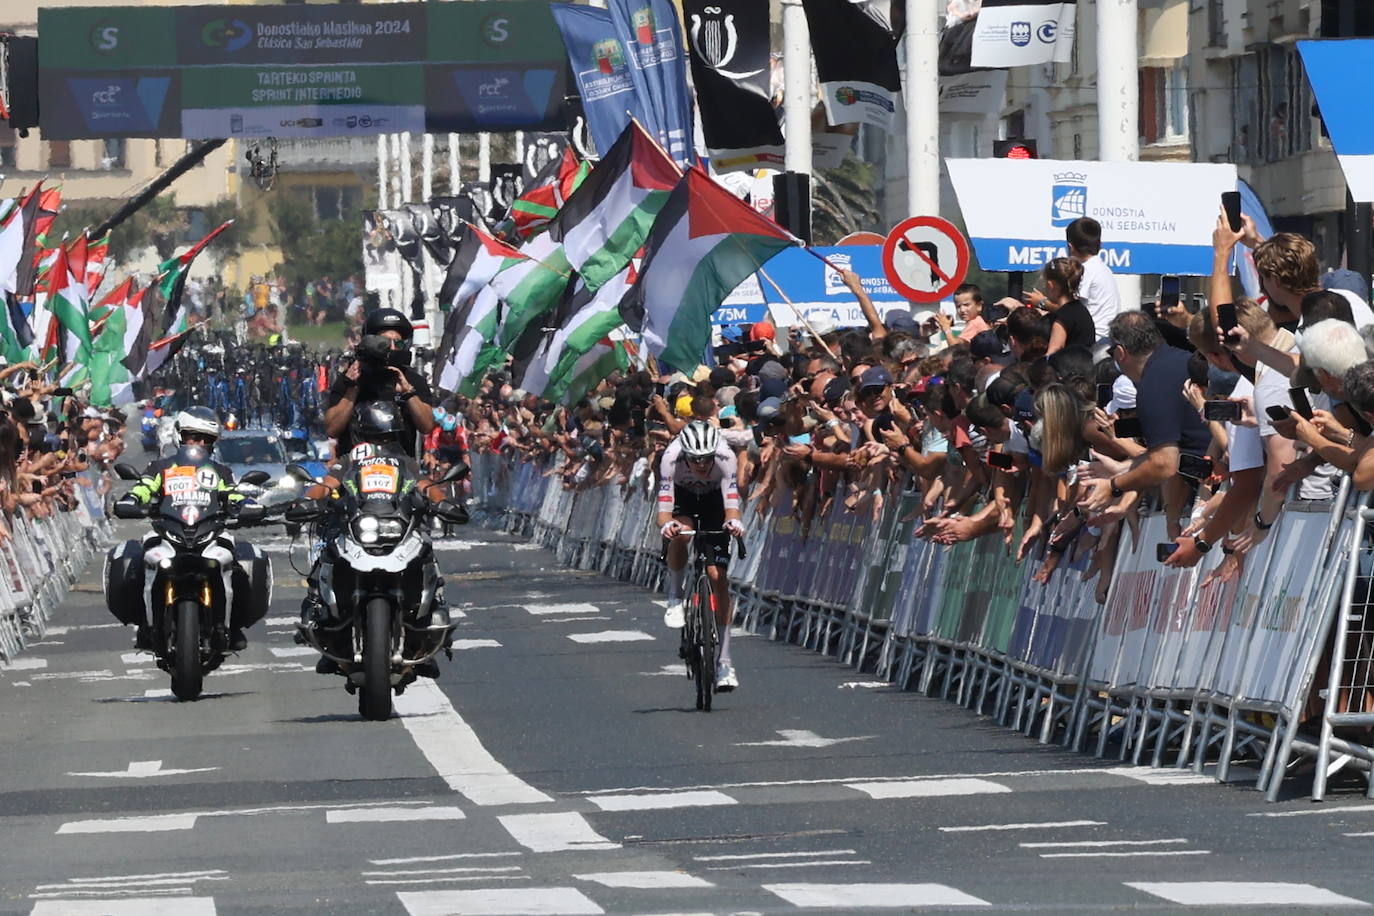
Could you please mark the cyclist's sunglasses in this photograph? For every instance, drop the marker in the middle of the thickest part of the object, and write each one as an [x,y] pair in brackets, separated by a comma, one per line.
[202,438]
[701,460]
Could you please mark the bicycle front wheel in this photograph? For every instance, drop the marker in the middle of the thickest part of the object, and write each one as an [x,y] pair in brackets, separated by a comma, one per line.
[704,641]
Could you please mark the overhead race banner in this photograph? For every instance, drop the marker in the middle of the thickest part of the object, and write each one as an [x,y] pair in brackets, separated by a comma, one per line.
[299,70]
[1157,217]
[1344,104]
[1018,33]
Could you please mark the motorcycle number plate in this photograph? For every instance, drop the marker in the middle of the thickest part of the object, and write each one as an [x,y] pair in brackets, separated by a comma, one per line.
[179,481]
[379,478]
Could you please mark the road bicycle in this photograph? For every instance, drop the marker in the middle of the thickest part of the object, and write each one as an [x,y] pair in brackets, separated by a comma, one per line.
[700,635]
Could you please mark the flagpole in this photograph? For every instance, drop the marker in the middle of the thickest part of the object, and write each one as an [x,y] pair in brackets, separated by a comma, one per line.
[811,330]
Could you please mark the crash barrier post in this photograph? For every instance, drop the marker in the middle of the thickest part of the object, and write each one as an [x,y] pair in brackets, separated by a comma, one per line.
[42,558]
[1168,669]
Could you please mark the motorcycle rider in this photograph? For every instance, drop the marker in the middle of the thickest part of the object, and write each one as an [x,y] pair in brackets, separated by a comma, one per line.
[197,429]
[381,372]
[377,429]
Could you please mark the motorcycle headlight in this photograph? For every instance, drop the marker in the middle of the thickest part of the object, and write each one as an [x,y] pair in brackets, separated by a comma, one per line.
[391,530]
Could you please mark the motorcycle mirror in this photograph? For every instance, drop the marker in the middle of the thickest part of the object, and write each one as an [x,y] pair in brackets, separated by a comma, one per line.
[125,472]
[126,510]
[300,473]
[457,471]
[251,514]
[255,478]
[451,512]
[303,513]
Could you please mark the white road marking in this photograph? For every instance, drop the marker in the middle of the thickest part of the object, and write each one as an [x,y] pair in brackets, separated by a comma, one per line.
[281,621]
[611,636]
[575,619]
[476,644]
[1320,809]
[152,877]
[58,631]
[1238,893]
[449,879]
[872,896]
[47,642]
[157,693]
[453,749]
[489,869]
[24,664]
[153,823]
[648,880]
[449,858]
[1047,825]
[500,901]
[547,610]
[556,832]
[864,685]
[1125,855]
[675,670]
[145,882]
[145,769]
[1361,833]
[383,815]
[1088,844]
[776,855]
[1161,777]
[662,800]
[800,737]
[810,863]
[929,788]
[113,894]
[136,658]
[293,651]
[131,906]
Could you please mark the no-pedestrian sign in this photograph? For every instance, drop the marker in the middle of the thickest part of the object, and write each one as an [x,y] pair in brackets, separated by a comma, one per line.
[925,258]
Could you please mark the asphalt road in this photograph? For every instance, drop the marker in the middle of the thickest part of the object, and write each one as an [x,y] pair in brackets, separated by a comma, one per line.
[558,767]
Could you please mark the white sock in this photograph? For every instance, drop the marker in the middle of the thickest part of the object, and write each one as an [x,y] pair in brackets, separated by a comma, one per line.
[677,581]
[725,645]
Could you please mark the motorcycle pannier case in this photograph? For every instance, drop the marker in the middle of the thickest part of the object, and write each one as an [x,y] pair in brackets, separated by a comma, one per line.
[124,572]
[252,585]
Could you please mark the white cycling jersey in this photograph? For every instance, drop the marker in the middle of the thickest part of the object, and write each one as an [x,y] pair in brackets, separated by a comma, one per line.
[676,471]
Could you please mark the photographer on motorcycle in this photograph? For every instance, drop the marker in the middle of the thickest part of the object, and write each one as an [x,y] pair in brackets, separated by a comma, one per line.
[197,429]
[377,430]
[381,373]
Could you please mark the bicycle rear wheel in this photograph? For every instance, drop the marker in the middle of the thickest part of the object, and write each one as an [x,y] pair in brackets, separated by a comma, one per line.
[704,644]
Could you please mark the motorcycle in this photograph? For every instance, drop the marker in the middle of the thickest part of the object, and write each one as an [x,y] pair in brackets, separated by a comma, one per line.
[179,582]
[379,590]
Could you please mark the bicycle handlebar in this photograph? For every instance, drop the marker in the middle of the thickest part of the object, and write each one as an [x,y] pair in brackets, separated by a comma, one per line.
[739,541]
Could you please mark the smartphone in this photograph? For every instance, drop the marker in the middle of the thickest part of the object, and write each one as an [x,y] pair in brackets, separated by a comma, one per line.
[1168,293]
[1196,304]
[1198,467]
[1230,202]
[1277,413]
[1165,551]
[1300,402]
[63,392]
[1221,411]
[1226,317]
[1127,427]
[1104,396]
[1001,460]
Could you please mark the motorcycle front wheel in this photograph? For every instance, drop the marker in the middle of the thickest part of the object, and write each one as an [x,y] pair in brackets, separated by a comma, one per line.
[374,699]
[187,677]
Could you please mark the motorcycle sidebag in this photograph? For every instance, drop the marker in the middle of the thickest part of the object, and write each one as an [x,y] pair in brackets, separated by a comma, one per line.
[252,586]
[124,572]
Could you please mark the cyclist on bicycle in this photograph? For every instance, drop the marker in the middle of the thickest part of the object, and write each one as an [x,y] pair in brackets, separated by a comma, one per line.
[697,490]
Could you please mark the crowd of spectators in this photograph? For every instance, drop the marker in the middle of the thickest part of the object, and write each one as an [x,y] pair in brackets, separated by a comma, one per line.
[48,437]
[1046,423]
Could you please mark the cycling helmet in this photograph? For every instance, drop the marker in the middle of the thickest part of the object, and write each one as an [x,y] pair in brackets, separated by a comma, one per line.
[376,421]
[700,439]
[381,320]
[198,420]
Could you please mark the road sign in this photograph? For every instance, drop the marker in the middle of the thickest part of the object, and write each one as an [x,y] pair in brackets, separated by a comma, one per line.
[925,258]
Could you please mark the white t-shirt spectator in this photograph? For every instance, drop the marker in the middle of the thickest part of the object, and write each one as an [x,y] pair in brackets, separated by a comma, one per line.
[1246,451]
[1098,291]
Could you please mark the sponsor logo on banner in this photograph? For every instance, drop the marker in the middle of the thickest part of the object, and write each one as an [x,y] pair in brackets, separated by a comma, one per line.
[495,30]
[104,36]
[226,34]
[608,57]
[1068,198]
[849,95]
[114,105]
[643,21]
[1048,32]
[716,41]
[834,283]
[1020,34]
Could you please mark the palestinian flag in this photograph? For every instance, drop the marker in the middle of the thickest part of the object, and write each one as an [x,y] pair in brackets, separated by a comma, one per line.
[69,305]
[589,319]
[34,214]
[705,242]
[172,275]
[47,202]
[477,259]
[608,217]
[592,368]
[550,189]
[122,294]
[160,352]
[11,247]
[136,357]
[111,380]
[97,262]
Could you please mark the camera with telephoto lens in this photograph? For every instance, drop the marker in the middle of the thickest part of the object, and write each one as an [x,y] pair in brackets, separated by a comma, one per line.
[376,351]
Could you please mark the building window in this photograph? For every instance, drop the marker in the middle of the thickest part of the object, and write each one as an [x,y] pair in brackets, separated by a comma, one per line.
[112,156]
[1164,104]
[1216,23]
[1078,146]
[59,154]
[1272,103]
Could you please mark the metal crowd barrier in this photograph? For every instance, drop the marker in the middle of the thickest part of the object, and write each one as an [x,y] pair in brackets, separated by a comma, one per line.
[1166,671]
[43,558]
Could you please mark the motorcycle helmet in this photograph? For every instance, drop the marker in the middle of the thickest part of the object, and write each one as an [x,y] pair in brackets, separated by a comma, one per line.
[199,420]
[376,421]
[382,320]
[700,439]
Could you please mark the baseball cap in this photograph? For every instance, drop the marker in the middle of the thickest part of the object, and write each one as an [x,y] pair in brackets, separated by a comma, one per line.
[762,330]
[1348,280]
[835,390]
[823,325]
[900,320]
[875,377]
[772,369]
[773,387]
[986,345]
[768,409]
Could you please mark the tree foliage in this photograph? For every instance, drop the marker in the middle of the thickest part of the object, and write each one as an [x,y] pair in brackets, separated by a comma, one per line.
[842,201]
[161,225]
[312,248]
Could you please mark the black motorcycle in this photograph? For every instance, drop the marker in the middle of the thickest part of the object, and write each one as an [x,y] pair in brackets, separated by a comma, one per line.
[379,586]
[179,575]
